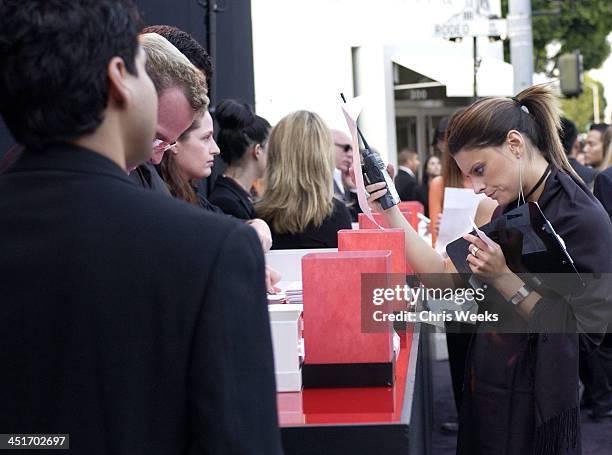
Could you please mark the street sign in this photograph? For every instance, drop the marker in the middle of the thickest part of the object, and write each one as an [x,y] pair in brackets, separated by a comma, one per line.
[455,28]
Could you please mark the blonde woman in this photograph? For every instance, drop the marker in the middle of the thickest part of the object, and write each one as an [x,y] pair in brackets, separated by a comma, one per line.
[298,202]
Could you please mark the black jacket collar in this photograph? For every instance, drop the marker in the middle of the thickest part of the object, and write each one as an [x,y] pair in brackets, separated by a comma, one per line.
[67,157]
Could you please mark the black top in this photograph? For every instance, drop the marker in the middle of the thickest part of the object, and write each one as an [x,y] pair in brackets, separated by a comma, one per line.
[206,205]
[534,371]
[422,195]
[230,197]
[122,315]
[324,236]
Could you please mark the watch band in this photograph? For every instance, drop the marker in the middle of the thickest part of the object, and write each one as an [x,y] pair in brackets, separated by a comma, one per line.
[521,295]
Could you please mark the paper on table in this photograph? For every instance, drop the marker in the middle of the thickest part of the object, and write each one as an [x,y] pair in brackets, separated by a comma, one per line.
[459,205]
[351,110]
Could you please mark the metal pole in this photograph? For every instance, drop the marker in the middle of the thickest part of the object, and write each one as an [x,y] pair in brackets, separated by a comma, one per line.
[521,43]
[595,89]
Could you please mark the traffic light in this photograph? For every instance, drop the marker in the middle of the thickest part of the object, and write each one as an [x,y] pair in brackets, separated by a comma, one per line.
[570,74]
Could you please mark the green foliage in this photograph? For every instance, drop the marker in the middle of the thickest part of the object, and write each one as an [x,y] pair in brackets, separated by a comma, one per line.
[580,109]
[579,25]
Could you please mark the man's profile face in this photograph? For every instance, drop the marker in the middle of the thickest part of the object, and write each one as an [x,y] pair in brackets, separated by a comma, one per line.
[174,116]
[593,149]
[343,150]
[414,163]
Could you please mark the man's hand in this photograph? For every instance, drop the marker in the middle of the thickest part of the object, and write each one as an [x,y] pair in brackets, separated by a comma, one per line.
[347,180]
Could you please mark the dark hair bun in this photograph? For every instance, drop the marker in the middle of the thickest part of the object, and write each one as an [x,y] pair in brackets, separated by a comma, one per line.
[232,115]
[239,129]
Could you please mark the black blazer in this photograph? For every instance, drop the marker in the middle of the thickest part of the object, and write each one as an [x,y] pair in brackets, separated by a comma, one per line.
[406,186]
[230,197]
[134,322]
[586,173]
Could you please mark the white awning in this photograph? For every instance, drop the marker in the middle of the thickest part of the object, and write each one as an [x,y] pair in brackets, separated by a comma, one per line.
[453,66]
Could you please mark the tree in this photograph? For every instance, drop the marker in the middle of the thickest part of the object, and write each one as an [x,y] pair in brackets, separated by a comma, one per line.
[580,109]
[575,24]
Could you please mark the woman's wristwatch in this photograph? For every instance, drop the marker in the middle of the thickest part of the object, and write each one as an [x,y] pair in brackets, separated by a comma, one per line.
[521,294]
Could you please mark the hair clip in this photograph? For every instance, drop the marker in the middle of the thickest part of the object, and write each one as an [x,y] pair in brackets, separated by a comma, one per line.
[521,105]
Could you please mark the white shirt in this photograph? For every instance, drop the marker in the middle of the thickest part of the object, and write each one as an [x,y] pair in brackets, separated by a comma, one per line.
[407,169]
[338,179]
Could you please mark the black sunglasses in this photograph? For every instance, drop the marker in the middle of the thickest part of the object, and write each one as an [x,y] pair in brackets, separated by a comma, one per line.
[345,147]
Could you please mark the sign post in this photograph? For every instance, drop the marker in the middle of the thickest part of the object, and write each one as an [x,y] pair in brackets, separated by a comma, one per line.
[473,20]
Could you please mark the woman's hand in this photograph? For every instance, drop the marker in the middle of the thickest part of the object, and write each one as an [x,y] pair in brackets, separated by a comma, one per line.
[488,263]
[263,232]
[272,277]
[376,190]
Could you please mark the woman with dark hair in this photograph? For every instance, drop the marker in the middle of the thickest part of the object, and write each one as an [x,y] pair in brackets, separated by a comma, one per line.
[431,168]
[242,139]
[520,392]
[190,160]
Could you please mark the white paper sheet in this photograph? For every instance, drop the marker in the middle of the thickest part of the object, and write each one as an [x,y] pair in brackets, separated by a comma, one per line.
[460,206]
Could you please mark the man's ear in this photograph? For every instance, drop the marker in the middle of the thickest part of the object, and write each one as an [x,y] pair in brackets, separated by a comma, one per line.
[516,142]
[118,87]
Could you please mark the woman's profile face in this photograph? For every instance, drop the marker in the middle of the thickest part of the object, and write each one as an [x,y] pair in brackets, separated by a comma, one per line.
[195,154]
[434,167]
[493,171]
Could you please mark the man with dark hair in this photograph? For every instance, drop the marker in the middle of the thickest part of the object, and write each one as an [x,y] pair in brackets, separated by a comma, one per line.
[130,321]
[188,45]
[571,145]
[593,149]
[405,180]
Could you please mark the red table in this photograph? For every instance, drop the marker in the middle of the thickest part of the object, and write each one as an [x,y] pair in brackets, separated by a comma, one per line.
[368,420]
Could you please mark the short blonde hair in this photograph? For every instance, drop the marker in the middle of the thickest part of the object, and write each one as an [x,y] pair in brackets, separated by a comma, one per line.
[168,67]
[299,174]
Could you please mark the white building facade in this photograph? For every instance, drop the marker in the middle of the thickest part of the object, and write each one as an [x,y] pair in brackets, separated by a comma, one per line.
[390,52]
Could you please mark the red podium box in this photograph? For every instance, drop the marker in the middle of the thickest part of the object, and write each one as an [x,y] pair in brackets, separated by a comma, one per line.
[375,240]
[411,206]
[338,352]
[366,224]
[391,239]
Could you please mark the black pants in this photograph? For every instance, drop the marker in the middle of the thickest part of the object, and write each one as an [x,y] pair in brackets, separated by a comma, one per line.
[596,373]
[458,337]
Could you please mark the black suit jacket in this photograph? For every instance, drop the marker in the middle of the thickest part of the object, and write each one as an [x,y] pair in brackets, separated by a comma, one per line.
[587,174]
[147,176]
[134,322]
[406,186]
[603,189]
